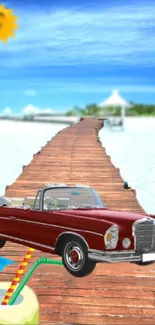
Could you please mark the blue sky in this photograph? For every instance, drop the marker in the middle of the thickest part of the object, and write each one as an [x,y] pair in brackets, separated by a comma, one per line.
[70,53]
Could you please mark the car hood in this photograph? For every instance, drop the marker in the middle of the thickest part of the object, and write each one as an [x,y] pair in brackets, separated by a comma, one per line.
[109,216]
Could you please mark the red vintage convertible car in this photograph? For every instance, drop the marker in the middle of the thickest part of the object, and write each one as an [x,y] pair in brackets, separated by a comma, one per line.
[73,222]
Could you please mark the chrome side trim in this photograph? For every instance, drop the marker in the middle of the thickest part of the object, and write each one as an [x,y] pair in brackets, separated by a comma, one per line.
[71,233]
[28,242]
[57,226]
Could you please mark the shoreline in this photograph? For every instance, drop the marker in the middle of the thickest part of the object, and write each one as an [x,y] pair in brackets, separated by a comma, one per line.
[74,119]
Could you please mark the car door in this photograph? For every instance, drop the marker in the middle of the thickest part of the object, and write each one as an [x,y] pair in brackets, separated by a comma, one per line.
[28,225]
[44,228]
[7,221]
[16,224]
[31,226]
[34,226]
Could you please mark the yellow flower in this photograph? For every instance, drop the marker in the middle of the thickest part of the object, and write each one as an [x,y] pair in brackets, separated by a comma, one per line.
[7,23]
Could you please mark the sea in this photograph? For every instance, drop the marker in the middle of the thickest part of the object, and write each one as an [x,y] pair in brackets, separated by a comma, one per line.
[131,150]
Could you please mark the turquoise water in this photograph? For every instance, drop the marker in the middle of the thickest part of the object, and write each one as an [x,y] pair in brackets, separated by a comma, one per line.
[133,151]
[18,142]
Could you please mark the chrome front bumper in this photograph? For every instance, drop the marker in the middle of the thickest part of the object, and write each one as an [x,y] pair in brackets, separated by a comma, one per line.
[119,256]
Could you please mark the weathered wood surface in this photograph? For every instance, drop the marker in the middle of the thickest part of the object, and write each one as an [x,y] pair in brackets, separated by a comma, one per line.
[121,294]
[114,294]
[75,155]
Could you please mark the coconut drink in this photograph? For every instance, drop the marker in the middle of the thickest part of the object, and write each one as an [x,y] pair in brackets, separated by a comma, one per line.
[25,310]
[18,302]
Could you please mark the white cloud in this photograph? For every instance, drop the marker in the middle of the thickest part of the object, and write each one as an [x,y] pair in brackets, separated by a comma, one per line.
[31,109]
[121,34]
[30,92]
[6,111]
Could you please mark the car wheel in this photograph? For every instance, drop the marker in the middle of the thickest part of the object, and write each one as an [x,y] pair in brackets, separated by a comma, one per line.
[2,243]
[75,258]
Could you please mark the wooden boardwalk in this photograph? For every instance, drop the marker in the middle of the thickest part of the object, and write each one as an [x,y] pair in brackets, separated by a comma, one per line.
[113,294]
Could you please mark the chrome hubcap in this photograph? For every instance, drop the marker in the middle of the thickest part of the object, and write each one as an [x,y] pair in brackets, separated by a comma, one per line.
[74,256]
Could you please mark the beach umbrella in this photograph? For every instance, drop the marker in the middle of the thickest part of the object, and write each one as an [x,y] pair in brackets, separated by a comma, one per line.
[115,100]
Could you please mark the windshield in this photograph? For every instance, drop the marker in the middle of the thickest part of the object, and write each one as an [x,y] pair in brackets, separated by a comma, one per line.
[71,198]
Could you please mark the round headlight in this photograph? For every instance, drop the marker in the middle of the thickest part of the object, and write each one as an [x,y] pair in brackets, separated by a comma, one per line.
[111,237]
[126,242]
[113,243]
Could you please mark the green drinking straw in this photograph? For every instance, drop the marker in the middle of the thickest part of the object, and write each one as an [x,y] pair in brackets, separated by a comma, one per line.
[40,260]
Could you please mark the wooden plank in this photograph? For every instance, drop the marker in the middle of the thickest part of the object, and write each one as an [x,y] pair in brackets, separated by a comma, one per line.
[114,294]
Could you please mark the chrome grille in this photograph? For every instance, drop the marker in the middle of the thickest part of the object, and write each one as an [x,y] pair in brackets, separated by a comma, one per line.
[145,236]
